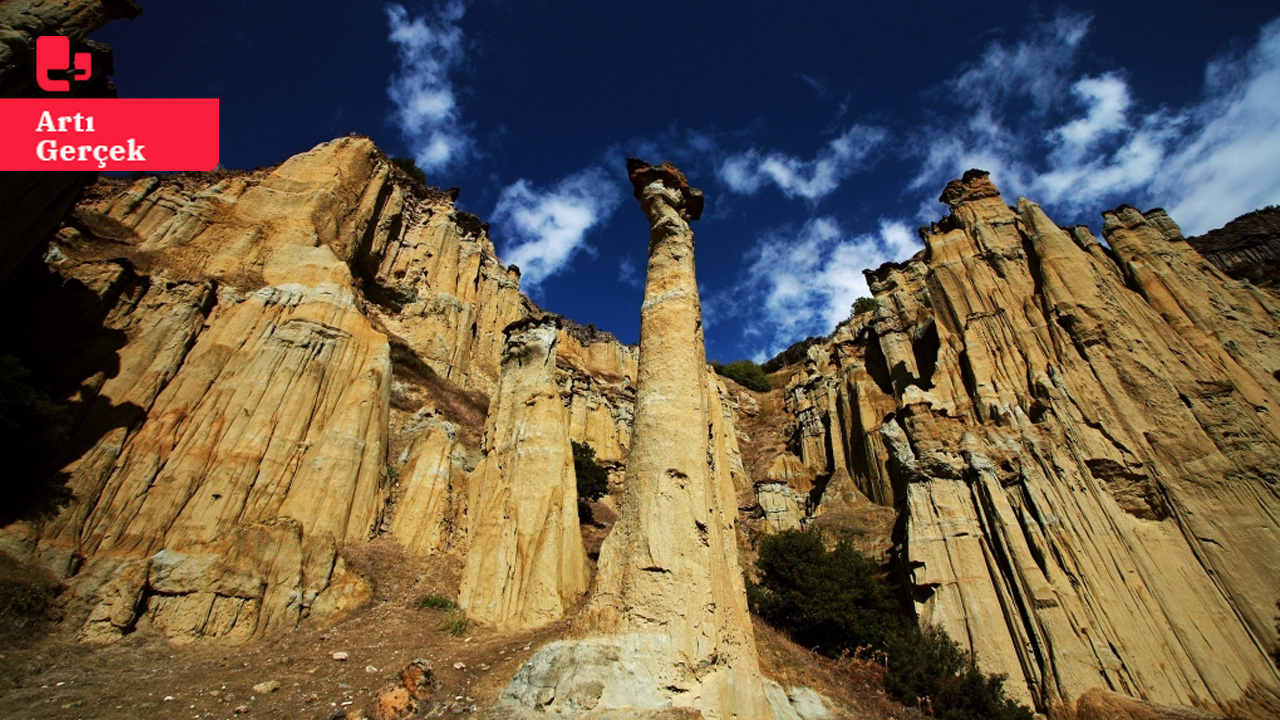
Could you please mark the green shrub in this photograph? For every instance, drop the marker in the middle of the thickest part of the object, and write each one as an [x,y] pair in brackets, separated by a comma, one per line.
[928,665]
[829,601]
[917,661]
[455,623]
[862,305]
[435,602]
[410,166]
[593,479]
[834,602]
[746,373]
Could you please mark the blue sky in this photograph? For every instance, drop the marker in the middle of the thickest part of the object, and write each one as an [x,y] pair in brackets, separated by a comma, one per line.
[821,136]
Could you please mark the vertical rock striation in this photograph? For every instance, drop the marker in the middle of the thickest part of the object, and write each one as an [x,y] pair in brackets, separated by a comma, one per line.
[268,367]
[525,563]
[667,623]
[597,379]
[234,411]
[1084,443]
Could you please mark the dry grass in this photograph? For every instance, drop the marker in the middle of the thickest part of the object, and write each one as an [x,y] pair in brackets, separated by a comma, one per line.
[466,409]
[855,683]
[52,677]
[603,517]
[30,601]
[764,428]
[869,528]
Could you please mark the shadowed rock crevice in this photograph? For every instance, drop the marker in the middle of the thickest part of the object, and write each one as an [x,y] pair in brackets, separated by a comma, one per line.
[67,345]
[877,367]
[32,204]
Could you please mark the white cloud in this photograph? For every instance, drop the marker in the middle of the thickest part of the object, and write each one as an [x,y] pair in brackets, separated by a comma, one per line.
[544,229]
[676,143]
[1231,164]
[812,180]
[426,106]
[1080,143]
[804,282]
[1007,97]
[816,83]
[1033,69]
[1107,98]
[627,274]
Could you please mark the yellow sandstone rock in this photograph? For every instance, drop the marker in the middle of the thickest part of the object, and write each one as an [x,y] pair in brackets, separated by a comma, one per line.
[597,374]
[667,622]
[525,561]
[239,439]
[1085,441]
[430,514]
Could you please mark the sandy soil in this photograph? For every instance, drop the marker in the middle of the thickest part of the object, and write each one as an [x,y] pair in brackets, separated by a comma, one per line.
[45,673]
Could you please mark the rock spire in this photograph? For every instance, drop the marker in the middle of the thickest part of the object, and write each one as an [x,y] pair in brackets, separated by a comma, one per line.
[667,624]
[526,563]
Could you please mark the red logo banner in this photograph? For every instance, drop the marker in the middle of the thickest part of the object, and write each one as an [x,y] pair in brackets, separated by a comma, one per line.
[121,134]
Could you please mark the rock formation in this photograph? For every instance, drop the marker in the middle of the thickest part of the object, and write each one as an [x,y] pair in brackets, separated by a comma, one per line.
[267,367]
[597,374]
[1079,440]
[667,624]
[1247,247]
[429,514]
[1084,442]
[235,435]
[783,495]
[525,561]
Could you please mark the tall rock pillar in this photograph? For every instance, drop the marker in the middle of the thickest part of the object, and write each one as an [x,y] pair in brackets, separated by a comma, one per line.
[667,624]
[526,563]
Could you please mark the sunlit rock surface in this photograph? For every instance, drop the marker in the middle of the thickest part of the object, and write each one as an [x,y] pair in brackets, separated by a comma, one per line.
[236,435]
[667,623]
[1084,440]
[525,560]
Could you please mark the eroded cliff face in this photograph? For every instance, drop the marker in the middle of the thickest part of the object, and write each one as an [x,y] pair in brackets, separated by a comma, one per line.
[268,367]
[596,374]
[236,432]
[1083,441]
[1079,440]
[1247,247]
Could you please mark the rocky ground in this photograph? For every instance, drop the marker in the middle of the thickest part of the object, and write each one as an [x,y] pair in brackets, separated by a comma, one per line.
[295,676]
[45,673]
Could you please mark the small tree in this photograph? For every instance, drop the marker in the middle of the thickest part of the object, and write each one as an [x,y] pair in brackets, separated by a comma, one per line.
[834,601]
[410,166]
[593,479]
[863,305]
[929,664]
[746,373]
[830,601]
